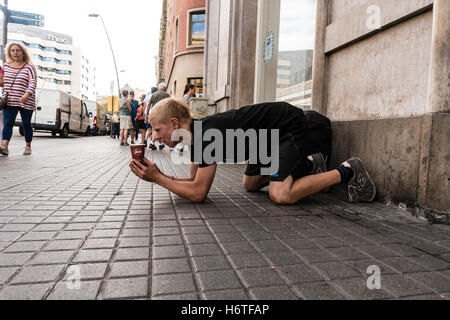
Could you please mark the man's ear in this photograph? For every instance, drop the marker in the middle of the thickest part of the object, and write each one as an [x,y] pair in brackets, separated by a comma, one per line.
[175,123]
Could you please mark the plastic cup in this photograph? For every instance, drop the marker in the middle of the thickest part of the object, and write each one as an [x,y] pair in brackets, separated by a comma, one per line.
[138,152]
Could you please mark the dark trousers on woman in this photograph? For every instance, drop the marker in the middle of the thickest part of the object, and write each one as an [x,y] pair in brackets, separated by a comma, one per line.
[10,115]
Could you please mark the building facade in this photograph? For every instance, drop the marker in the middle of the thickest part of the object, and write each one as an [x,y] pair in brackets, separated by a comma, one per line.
[60,65]
[378,69]
[182,39]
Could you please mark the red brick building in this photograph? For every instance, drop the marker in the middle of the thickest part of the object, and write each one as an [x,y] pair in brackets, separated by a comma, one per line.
[183,27]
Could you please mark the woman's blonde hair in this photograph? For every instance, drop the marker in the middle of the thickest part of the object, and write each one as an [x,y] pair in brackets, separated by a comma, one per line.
[26,55]
[168,109]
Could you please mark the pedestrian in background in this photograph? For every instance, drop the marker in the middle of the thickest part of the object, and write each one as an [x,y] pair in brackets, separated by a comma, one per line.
[148,135]
[134,106]
[157,97]
[20,79]
[189,93]
[116,125]
[125,118]
[140,123]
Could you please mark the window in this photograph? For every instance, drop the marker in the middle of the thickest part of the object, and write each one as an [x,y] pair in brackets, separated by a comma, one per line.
[197,28]
[198,83]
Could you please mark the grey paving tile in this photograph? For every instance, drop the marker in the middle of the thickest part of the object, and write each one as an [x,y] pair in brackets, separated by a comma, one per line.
[132,254]
[401,286]
[225,295]
[107,243]
[434,280]
[25,292]
[336,270]
[56,245]
[96,255]
[273,293]
[36,274]
[431,263]
[174,283]
[218,280]
[166,231]
[14,259]
[6,273]
[300,273]
[171,266]
[134,242]
[125,288]
[37,236]
[129,269]
[260,277]
[247,260]
[209,249]
[316,255]
[199,238]
[167,240]
[25,246]
[319,291]
[357,288]
[54,257]
[258,235]
[178,297]
[210,263]
[238,247]
[169,252]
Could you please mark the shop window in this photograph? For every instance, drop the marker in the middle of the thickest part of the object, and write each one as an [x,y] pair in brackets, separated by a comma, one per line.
[198,83]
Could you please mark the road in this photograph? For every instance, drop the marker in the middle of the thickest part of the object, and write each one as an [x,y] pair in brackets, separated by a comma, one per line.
[75,223]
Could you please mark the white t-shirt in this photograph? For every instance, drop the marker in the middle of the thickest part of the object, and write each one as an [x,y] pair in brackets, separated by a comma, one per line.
[147,101]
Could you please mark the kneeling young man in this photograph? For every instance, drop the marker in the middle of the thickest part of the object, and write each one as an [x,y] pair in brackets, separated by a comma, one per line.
[278,129]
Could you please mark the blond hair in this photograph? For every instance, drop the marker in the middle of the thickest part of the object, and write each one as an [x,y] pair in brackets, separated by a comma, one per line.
[168,109]
[26,55]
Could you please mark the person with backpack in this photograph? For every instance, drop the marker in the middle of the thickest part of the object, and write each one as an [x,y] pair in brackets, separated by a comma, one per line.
[126,124]
[278,129]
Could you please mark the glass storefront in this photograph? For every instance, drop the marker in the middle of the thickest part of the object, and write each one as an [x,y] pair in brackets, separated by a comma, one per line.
[295,56]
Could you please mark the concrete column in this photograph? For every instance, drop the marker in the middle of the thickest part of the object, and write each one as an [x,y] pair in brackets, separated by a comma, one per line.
[266,73]
[319,62]
[439,82]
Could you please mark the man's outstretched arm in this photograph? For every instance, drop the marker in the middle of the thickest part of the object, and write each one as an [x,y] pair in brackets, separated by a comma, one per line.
[195,190]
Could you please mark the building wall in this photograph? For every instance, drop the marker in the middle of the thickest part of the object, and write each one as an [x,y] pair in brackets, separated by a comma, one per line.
[230,53]
[180,58]
[381,74]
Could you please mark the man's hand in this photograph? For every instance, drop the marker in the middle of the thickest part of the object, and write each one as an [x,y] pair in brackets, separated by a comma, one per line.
[148,171]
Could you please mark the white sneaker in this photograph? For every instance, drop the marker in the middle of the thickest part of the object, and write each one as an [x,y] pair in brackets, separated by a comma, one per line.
[27,151]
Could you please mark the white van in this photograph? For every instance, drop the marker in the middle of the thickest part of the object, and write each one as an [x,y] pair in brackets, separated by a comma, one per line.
[97,117]
[58,112]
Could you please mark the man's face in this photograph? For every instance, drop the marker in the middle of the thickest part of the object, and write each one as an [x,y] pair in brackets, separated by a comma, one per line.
[131,96]
[163,132]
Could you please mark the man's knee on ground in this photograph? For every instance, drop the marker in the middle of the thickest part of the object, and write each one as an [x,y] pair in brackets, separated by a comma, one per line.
[280,197]
[250,185]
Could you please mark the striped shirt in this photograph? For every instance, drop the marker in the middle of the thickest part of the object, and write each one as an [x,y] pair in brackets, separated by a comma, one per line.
[26,81]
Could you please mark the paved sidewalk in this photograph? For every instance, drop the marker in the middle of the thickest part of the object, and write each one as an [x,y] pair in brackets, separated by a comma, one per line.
[75,205]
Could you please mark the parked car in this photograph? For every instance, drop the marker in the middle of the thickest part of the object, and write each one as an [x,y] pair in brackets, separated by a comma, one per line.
[58,112]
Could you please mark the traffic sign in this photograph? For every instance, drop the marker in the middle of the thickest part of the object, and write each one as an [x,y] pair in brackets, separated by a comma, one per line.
[26,18]
[26,15]
[28,22]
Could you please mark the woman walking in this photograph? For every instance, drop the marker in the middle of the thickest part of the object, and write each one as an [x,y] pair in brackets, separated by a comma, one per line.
[20,87]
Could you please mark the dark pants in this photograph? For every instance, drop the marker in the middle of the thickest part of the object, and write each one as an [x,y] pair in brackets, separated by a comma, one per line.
[10,115]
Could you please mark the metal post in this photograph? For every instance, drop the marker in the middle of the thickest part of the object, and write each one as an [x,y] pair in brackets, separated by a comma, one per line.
[114,57]
[5,28]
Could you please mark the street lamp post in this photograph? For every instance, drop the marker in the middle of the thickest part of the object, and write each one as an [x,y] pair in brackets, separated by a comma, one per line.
[95,15]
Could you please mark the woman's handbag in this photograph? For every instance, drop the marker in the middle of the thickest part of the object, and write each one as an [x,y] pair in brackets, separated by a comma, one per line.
[4,99]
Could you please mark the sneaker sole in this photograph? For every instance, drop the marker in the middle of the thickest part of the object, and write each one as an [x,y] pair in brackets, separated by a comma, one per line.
[357,162]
